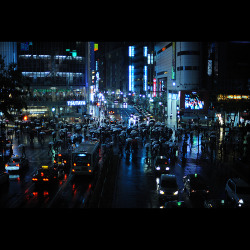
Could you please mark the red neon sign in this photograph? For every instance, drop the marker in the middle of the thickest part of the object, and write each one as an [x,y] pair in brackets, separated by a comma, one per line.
[154,87]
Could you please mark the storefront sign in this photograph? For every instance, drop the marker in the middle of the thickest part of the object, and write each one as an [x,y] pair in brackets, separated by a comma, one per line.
[223,97]
[76,103]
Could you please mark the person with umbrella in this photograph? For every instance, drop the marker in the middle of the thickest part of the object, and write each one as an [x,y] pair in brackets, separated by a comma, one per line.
[23,150]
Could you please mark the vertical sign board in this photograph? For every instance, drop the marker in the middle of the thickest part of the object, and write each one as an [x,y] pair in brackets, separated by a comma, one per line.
[154,87]
[173,61]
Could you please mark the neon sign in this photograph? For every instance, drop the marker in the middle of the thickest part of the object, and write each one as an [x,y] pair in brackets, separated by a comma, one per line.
[154,87]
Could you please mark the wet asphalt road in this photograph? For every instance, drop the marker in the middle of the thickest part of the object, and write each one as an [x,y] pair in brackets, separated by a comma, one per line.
[136,182]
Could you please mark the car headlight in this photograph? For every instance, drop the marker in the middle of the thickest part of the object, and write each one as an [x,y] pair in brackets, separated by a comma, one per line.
[161,192]
[167,168]
[158,168]
[240,201]
[175,193]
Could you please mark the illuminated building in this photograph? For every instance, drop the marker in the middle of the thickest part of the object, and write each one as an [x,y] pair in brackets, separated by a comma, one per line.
[8,50]
[141,60]
[57,74]
[177,68]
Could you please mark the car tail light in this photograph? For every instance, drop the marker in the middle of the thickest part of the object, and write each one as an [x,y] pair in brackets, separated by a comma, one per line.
[17,165]
[90,171]
[6,165]
[73,170]
[54,161]
[42,174]
[65,161]
[34,179]
[166,162]
[45,179]
[88,165]
[74,164]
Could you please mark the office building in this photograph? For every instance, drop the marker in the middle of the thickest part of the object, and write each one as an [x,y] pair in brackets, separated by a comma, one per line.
[58,76]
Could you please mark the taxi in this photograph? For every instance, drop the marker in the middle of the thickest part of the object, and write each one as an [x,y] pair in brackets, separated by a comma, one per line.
[46,175]
[17,163]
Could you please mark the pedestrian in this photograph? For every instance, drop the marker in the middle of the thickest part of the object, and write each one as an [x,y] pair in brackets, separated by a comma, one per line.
[50,149]
[23,151]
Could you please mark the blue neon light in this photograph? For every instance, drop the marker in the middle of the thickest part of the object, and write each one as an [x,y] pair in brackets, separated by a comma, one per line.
[131,51]
[145,77]
[131,78]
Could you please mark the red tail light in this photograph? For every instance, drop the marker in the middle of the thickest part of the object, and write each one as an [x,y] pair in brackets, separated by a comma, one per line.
[34,179]
[45,179]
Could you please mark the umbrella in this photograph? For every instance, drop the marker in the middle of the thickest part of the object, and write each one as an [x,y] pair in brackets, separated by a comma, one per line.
[133,132]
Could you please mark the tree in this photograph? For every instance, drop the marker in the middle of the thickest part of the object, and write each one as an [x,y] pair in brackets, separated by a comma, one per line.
[14,88]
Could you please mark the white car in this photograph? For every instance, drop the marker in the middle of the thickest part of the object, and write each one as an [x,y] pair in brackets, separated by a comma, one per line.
[168,188]
[238,191]
[17,163]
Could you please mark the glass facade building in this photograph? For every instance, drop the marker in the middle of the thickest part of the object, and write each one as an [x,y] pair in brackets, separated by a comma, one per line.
[57,74]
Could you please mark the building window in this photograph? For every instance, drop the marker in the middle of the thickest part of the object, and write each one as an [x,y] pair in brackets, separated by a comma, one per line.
[190,52]
[187,68]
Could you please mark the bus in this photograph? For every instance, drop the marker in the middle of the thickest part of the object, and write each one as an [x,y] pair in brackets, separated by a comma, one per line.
[85,158]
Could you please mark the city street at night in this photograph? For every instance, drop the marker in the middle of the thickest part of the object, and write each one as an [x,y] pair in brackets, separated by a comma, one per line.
[124,124]
[136,180]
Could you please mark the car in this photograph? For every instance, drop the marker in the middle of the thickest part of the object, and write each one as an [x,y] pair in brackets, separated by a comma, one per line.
[62,161]
[238,192]
[17,163]
[195,185]
[168,188]
[4,178]
[161,165]
[46,175]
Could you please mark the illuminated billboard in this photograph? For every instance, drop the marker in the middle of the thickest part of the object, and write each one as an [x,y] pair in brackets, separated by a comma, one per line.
[194,100]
